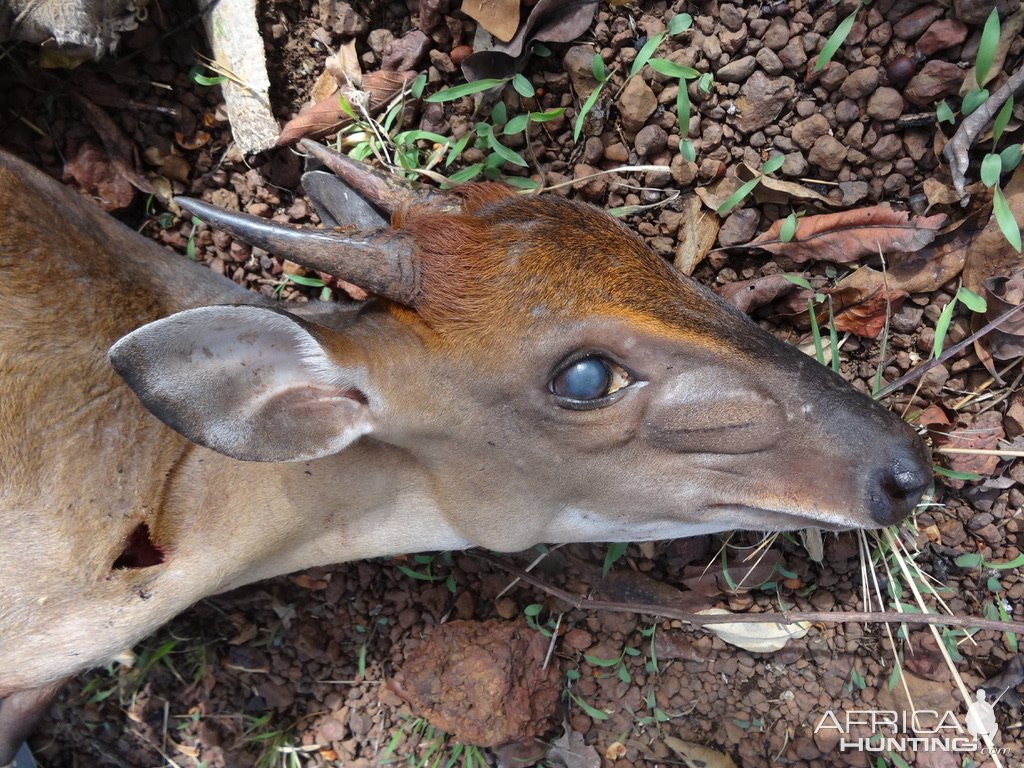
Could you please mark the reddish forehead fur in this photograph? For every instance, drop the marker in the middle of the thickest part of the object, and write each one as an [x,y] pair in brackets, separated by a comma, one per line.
[492,269]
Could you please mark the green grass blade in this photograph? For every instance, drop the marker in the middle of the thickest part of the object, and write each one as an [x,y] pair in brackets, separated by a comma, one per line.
[987,47]
[646,52]
[835,40]
[1004,218]
[466,89]
[738,196]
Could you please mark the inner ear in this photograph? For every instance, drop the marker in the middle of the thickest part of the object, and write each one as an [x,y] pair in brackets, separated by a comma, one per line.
[252,383]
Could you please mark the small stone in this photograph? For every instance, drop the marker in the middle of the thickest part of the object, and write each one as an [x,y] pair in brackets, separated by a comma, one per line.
[636,104]
[768,60]
[733,41]
[578,639]
[936,80]
[761,100]
[341,18]
[913,24]
[885,104]
[737,71]
[739,227]
[777,35]
[406,53]
[794,164]
[442,61]
[730,16]
[793,55]
[616,153]
[593,151]
[847,111]
[828,154]
[378,40]
[806,132]
[578,62]
[942,34]
[684,172]
[650,140]
[833,75]
[860,83]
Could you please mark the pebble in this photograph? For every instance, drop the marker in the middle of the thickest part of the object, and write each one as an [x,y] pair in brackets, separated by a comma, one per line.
[739,227]
[777,35]
[737,71]
[943,34]
[885,104]
[793,55]
[936,80]
[650,140]
[769,61]
[761,100]
[887,147]
[806,132]
[579,64]
[913,24]
[636,104]
[860,83]
[828,154]
[406,53]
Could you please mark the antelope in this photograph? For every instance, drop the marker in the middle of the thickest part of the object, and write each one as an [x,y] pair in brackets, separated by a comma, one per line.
[526,370]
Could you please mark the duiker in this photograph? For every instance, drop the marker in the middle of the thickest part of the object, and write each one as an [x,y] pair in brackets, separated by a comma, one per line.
[527,371]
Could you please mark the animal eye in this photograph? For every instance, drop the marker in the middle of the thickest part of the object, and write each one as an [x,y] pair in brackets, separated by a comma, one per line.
[588,381]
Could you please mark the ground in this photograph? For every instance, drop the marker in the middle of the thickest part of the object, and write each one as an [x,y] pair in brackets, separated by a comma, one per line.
[300,670]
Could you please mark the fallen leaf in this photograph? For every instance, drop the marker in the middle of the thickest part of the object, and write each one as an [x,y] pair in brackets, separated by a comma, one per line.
[937,193]
[861,303]
[934,265]
[93,172]
[1002,685]
[697,754]
[990,255]
[570,750]
[327,116]
[851,235]
[499,17]
[715,194]
[772,190]
[737,577]
[696,235]
[748,295]
[550,21]
[984,433]
[1002,294]
[615,750]
[759,638]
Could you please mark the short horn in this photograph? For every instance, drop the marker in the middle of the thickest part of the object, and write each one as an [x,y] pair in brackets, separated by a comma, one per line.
[381,262]
[385,191]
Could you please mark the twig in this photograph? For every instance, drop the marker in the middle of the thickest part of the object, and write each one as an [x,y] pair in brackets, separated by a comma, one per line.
[784,617]
[921,370]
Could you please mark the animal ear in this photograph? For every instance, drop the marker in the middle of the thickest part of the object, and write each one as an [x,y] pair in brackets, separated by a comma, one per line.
[251,383]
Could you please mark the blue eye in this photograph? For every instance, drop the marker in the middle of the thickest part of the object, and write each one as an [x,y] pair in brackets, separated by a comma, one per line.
[587,381]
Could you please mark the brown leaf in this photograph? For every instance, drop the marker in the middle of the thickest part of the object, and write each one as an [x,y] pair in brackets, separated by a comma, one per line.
[748,295]
[862,301]
[696,235]
[990,255]
[934,265]
[326,116]
[771,190]
[938,193]
[744,576]
[983,434]
[499,17]
[1001,295]
[97,175]
[851,235]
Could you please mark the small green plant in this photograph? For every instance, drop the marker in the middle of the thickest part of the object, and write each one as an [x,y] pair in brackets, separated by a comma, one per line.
[426,569]
[309,282]
[533,613]
[771,165]
[656,717]
[833,334]
[433,748]
[612,555]
[617,665]
[837,38]
[196,76]
[964,296]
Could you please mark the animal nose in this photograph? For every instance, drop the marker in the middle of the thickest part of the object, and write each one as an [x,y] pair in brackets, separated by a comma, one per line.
[895,490]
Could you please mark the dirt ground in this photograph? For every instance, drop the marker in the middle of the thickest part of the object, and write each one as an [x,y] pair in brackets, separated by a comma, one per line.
[299,671]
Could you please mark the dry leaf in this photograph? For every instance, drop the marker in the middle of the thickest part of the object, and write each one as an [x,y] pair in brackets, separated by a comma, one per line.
[990,255]
[1002,294]
[862,301]
[694,754]
[983,434]
[934,265]
[570,750]
[760,638]
[748,295]
[742,575]
[938,193]
[713,195]
[499,17]
[851,235]
[772,190]
[696,235]
[95,174]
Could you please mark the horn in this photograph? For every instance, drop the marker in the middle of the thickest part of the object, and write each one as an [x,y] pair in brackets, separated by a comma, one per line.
[381,262]
[385,191]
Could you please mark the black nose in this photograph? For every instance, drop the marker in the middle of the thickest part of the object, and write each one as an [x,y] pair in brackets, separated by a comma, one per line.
[895,490]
